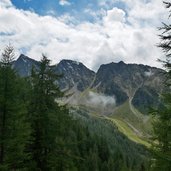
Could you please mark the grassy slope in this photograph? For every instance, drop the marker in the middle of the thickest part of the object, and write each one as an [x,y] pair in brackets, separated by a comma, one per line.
[126,130]
[123,127]
[129,121]
[139,122]
[117,141]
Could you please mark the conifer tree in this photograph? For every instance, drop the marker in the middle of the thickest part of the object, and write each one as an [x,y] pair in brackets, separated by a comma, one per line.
[14,129]
[44,113]
[162,123]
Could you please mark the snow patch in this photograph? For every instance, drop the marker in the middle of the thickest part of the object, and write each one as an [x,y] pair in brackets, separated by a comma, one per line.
[148,73]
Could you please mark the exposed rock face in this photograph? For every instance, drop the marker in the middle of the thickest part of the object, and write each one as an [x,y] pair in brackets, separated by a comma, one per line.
[128,81]
[23,65]
[140,84]
[74,73]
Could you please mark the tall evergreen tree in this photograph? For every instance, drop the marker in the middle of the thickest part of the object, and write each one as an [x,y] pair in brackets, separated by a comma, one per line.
[44,113]
[162,123]
[14,129]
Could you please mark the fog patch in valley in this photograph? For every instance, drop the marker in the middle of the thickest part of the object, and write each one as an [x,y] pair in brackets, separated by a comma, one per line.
[96,102]
[100,99]
[101,103]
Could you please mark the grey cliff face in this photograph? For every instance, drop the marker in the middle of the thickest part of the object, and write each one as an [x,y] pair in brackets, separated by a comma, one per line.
[74,74]
[140,83]
[23,65]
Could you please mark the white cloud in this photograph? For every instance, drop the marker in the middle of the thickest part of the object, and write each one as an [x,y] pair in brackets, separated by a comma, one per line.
[5,3]
[95,99]
[64,2]
[106,3]
[115,15]
[100,103]
[147,12]
[111,39]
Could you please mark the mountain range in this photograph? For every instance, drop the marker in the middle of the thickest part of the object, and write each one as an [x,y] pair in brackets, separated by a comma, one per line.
[123,93]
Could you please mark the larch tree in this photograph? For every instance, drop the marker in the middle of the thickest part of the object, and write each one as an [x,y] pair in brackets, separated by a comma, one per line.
[14,128]
[162,122]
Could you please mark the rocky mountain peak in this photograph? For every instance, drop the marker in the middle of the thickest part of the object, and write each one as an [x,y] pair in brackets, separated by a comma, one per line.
[69,62]
[124,80]
[75,73]
[140,84]
[22,56]
[121,63]
[24,64]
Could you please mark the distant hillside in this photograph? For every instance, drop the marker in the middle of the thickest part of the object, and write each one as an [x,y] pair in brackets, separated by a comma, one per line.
[127,81]
[123,92]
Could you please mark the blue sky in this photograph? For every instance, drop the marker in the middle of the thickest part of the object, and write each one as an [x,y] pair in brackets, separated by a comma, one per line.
[90,31]
[75,8]
[41,6]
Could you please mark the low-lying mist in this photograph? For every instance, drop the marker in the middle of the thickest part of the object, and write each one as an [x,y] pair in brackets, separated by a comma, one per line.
[99,103]
[101,100]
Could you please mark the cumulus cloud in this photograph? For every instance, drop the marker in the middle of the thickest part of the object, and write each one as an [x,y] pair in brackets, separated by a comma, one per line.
[115,15]
[106,3]
[64,2]
[104,54]
[146,12]
[129,35]
[5,3]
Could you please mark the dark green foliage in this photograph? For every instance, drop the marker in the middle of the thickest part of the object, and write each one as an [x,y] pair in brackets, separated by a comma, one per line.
[114,149]
[162,117]
[43,112]
[60,142]
[162,136]
[39,134]
[14,129]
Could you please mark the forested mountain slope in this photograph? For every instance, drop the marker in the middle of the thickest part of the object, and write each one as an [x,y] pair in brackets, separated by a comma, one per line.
[123,92]
[40,132]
